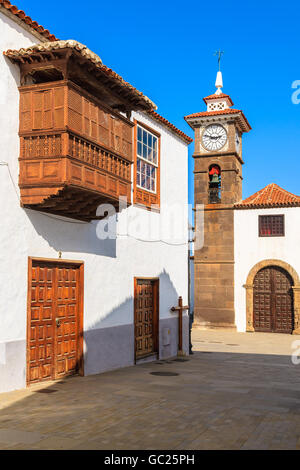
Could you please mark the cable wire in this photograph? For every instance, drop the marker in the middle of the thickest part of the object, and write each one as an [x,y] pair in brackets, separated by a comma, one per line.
[42,213]
[153,241]
[84,223]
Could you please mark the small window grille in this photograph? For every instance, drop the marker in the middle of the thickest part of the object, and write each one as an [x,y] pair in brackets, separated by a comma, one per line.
[271,226]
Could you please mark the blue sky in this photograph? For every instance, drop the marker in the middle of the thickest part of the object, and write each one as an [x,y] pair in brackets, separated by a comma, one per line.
[166,49]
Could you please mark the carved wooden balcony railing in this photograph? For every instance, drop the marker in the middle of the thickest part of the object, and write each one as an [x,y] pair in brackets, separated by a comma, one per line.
[75,154]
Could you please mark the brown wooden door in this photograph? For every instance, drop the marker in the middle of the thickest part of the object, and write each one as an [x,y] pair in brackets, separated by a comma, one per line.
[41,329]
[66,321]
[146,317]
[54,321]
[273,301]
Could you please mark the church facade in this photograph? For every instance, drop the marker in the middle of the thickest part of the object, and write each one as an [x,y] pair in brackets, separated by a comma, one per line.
[246,270]
[267,262]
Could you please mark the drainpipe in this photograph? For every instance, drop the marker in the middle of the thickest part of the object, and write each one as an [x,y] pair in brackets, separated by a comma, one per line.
[191,313]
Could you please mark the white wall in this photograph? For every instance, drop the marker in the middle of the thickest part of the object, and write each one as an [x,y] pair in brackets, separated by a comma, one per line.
[12,233]
[110,266]
[251,249]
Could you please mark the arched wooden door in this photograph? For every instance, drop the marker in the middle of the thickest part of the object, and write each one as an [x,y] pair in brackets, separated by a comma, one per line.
[273,301]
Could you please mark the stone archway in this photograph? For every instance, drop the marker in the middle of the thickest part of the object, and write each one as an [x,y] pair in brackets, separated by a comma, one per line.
[249,291]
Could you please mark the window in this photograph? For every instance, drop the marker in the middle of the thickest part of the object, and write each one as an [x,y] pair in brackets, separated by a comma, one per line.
[146,188]
[271,225]
[147,160]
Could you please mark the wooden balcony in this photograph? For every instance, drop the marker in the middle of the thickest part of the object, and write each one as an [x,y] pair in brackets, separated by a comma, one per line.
[75,153]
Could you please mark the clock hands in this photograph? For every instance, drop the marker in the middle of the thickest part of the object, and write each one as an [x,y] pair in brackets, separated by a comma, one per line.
[214,137]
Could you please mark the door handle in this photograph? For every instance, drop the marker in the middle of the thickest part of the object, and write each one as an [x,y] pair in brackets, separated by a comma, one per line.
[57,322]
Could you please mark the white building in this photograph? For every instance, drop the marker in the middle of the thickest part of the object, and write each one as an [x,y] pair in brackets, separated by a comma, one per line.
[71,301]
[267,261]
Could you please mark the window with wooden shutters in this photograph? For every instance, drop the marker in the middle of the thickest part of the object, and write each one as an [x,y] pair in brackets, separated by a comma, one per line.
[42,109]
[271,226]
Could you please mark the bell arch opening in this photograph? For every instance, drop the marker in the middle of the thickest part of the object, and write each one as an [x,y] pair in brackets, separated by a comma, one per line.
[214,184]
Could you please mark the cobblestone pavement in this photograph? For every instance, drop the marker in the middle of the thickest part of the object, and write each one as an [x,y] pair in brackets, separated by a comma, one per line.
[238,391]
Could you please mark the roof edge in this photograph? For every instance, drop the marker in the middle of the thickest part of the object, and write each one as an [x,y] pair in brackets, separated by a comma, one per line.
[224,112]
[250,206]
[171,126]
[84,51]
[20,17]
[218,97]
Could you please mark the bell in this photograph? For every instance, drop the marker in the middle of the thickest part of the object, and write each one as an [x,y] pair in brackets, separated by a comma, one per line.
[215,179]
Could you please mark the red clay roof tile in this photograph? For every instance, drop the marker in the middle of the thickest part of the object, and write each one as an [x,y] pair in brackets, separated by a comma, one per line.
[270,196]
[224,112]
[215,96]
[49,46]
[164,121]
[212,113]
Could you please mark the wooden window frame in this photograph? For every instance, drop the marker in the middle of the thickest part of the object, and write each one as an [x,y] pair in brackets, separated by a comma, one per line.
[143,197]
[272,234]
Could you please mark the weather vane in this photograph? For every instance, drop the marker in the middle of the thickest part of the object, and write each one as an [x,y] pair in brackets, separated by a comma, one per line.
[219,53]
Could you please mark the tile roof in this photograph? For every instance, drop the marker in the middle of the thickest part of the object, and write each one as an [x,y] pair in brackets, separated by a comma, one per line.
[27,20]
[270,196]
[53,46]
[213,113]
[164,121]
[223,112]
[17,55]
[215,97]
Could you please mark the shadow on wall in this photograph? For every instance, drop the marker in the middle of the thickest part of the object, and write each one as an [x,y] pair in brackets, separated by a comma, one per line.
[71,236]
[14,71]
[109,341]
[109,344]
[168,298]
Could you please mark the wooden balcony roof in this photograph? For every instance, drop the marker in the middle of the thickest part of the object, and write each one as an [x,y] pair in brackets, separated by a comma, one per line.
[71,60]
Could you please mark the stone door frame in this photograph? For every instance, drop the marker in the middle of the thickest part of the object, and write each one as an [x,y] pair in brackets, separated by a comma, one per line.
[249,292]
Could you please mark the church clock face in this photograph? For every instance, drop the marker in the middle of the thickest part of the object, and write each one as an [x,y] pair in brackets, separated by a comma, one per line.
[214,137]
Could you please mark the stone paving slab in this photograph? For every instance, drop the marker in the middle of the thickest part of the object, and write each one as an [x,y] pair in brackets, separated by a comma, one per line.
[10,436]
[237,391]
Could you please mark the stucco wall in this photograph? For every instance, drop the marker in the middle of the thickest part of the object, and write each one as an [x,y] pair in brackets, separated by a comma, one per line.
[109,265]
[251,249]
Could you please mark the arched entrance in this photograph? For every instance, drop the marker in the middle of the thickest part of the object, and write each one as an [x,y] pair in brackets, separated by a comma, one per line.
[273,298]
[273,306]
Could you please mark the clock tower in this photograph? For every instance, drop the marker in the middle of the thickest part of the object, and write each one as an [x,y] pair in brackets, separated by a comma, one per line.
[218,186]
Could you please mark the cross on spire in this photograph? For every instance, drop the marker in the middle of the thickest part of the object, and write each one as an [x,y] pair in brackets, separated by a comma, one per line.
[219,53]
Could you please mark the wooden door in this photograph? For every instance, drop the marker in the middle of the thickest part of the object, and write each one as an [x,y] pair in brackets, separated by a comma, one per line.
[66,321]
[54,339]
[273,301]
[40,323]
[146,317]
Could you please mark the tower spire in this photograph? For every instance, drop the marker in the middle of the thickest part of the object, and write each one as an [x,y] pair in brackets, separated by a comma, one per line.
[219,79]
